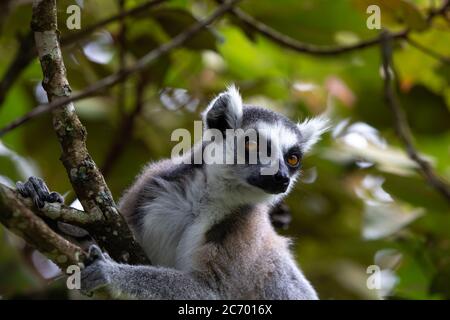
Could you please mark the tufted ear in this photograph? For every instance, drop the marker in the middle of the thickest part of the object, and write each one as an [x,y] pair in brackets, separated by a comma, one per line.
[311,131]
[225,111]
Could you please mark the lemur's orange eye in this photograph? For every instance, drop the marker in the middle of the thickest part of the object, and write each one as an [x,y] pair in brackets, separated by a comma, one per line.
[293,160]
[251,145]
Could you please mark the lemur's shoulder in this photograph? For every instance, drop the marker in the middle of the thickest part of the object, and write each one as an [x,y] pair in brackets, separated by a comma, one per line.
[127,203]
[155,175]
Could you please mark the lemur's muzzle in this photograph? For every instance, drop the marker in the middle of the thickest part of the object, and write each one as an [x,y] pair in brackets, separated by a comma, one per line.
[273,184]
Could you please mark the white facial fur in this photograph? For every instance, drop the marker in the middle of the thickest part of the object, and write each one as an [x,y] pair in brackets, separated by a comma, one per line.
[282,138]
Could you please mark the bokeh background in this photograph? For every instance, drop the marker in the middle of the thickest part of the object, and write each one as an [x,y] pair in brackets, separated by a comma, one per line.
[361,200]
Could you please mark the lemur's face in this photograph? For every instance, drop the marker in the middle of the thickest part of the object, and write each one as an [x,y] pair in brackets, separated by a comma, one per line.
[265,146]
[279,142]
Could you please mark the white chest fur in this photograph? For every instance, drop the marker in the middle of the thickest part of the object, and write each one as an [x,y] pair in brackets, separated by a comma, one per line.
[175,222]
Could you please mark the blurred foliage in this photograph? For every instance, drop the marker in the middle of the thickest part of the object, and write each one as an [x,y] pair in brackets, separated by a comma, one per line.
[360,202]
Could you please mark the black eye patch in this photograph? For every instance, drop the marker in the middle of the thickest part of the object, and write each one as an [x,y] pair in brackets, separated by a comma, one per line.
[294,151]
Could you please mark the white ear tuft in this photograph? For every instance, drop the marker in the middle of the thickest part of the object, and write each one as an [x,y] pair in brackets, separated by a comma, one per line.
[235,102]
[225,111]
[311,131]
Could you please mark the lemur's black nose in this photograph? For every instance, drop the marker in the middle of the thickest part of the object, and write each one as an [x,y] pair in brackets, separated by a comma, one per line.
[273,184]
[281,178]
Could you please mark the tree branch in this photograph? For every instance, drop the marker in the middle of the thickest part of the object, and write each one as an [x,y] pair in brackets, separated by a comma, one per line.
[20,218]
[115,78]
[290,43]
[401,123]
[306,48]
[87,181]
[63,213]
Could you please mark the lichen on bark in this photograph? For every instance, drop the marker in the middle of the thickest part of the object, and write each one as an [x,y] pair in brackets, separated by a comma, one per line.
[44,16]
[87,181]
[20,219]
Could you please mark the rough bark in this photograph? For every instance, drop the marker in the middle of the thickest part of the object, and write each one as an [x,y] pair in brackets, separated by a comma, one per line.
[89,185]
[20,217]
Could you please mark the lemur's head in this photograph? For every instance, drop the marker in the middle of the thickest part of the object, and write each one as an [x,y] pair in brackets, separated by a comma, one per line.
[263,150]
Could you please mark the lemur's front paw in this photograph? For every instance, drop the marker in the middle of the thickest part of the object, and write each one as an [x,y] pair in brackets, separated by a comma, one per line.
[97,272]
[37,190]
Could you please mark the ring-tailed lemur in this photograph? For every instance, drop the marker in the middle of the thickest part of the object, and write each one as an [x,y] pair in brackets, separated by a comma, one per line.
[206,227]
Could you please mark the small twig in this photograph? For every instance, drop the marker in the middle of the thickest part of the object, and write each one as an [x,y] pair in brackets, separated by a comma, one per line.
[428,51]
[401,123]
[61,213]
[115,78]
[301,47]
